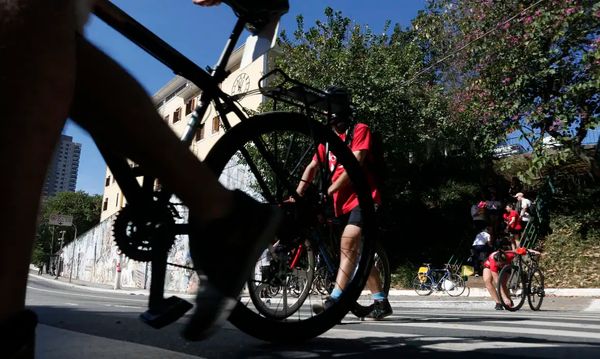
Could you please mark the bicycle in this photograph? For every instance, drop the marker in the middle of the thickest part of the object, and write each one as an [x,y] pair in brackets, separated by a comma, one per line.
[521,279]
[272,146]
[429,279]
[312,263]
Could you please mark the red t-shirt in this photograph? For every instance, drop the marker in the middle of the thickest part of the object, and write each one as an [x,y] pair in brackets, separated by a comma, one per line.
[345,199]
[493,265]
[516,225]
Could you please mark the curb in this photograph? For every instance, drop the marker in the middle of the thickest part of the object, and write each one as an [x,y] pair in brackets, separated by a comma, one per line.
[482,292]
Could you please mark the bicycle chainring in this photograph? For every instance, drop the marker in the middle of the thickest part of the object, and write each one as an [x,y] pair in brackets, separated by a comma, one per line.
[138,229]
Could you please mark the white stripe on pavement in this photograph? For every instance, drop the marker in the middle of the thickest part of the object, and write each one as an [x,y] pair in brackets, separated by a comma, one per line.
[541,323]
[94,296]
[503,329]
[594,306]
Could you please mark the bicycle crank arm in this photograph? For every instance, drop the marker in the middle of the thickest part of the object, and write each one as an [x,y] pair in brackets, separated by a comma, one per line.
[166,312]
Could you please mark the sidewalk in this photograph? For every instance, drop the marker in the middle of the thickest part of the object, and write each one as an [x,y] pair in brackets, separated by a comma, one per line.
[475,292]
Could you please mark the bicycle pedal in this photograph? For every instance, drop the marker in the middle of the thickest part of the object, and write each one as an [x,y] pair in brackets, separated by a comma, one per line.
[167,312]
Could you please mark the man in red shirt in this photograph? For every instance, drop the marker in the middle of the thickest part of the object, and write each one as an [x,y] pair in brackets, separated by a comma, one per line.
[345,202]
[513,225]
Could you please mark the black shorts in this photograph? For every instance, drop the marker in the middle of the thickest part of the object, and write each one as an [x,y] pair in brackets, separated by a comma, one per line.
[353,217]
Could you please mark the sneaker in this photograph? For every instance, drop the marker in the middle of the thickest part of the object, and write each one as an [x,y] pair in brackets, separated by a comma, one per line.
[381,309]
[320,308]
[226,250]
[18,340]
[499,306]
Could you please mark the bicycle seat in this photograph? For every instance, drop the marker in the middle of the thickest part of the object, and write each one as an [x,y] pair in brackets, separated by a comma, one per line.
[258,13]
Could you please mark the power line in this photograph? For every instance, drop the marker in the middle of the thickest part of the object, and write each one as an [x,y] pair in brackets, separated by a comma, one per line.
[500,24]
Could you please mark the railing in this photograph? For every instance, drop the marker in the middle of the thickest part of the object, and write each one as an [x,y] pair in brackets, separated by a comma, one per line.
[539,223]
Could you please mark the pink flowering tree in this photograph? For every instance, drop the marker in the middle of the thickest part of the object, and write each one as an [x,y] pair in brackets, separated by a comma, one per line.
[527,66]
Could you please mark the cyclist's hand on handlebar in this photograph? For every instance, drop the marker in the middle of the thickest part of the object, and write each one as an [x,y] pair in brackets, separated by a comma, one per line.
[206,2]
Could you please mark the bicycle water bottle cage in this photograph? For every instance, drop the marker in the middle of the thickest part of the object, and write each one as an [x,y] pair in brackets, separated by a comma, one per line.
[257,14]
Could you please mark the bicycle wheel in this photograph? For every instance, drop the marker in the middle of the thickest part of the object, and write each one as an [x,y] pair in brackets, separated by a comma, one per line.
[265,157]
[282,280]
[364,302]
[423,285]
[535,289]
[454,285]
[512,277]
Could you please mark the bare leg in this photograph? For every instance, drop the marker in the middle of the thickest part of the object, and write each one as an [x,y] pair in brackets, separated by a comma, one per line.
[490,279]
[36,83]
[349,254]
[374,281]
[134,129]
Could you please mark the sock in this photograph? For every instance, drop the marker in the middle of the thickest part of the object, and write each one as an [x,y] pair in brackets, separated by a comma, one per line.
[336,293]
[379,296]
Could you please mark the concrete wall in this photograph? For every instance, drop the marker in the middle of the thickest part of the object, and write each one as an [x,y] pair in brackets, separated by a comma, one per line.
[93,257]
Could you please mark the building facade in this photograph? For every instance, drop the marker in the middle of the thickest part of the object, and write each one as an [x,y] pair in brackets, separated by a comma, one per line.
[62,173]
[176,101]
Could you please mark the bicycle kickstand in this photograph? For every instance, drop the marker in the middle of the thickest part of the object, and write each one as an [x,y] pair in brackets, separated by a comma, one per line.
[162,311]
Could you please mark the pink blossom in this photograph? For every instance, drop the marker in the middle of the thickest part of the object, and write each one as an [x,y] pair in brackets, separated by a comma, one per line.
[570,10]
[528,20]
[506,80]
[505,26]
[597,14]
[538,13]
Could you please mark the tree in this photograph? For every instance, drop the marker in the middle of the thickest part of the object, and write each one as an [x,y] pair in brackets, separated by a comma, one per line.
[526,66]
[85,210]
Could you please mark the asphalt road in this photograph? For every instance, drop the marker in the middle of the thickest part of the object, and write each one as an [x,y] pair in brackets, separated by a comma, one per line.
[78,322]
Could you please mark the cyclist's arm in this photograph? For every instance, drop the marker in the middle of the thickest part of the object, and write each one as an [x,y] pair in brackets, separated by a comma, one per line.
[307,176]
[344,179]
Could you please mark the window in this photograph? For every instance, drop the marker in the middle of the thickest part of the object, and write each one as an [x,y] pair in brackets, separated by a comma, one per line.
[105,204]
[177,115]
[215,124]
[200,133]
[189,106]
[117,201]
[107,182]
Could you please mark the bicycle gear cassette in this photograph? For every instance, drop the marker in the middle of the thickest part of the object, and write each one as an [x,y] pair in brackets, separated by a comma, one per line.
[137,231]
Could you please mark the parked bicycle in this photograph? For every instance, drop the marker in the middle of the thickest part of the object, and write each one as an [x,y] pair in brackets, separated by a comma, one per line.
[271,147]
[522,278]
[429,279]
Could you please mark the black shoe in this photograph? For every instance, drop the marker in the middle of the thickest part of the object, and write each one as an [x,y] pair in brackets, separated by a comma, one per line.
[381,309]
[226,251]
[499,306]
[18,336]
[320,308]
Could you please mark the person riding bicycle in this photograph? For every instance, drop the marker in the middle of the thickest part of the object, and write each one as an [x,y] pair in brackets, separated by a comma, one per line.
[48,72]
[345,200]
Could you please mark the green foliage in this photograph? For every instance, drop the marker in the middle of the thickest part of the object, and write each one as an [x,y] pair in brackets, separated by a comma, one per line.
[403,275]
[85,210]
[531,66]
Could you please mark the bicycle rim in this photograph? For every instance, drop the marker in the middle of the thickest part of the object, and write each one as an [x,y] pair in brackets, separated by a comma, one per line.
[535,290]
[282,280]
[290,140]
[423,285]
[515,285]
[455,286]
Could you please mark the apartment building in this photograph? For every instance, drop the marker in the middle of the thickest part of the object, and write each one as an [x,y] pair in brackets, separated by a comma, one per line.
[176,101]
[62,173]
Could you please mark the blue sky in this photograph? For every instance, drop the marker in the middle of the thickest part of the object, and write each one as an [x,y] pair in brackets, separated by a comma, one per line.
[200,34]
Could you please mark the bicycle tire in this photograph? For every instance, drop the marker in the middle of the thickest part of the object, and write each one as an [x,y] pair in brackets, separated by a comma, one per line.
[423,285]
[515,283]
[457,286]
[278,274]
[364,302]
[535,289]
[262,130]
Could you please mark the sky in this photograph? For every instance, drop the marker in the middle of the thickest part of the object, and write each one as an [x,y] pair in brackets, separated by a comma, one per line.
[200,34]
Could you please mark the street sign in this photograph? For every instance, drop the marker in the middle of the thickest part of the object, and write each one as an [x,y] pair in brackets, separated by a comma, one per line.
[60,220]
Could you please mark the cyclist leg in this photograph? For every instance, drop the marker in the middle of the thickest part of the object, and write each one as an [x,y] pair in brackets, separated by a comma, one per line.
[36,82]
[490,279]
[135,130]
